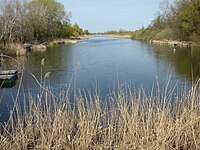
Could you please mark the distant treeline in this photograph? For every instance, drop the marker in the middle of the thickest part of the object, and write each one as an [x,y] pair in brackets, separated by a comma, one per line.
[35,21]
[176,20]
[120,31]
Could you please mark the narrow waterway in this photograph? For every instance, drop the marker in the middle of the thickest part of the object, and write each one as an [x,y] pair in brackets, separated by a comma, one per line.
[101,63]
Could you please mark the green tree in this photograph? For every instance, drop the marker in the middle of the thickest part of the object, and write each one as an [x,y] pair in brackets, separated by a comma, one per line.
[180,17]
[48,19]
[86,32]
[189,19]
[76,31]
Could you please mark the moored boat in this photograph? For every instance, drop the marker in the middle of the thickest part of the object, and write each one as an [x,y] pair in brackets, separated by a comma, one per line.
[8,72]
[8,78]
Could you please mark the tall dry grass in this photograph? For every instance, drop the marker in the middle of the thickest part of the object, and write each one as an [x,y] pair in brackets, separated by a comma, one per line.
[125,120]
[13,49]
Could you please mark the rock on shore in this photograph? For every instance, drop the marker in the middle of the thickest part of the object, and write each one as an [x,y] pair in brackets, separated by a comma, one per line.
[172,43]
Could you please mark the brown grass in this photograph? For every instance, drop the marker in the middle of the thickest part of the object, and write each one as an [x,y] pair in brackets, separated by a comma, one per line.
[123,121]
[13,49]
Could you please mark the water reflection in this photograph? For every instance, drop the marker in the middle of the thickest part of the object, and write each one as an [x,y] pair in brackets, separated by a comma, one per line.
[185,61]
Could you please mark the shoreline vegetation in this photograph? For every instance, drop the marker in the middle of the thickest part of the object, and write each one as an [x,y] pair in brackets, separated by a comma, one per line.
[125,120]
[164,41]
[153,41]
[174,43]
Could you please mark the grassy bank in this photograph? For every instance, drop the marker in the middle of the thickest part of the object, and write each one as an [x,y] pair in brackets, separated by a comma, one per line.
[123,121]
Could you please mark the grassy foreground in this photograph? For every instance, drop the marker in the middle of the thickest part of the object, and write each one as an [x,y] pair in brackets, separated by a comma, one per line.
[126,121]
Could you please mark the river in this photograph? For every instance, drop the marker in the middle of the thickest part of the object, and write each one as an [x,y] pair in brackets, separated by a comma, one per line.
[100,63]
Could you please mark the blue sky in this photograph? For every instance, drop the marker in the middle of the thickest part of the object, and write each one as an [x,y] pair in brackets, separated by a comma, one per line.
[104,15]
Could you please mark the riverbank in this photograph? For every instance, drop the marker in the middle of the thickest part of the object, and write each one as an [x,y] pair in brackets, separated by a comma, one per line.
[173,43]
[123,121]
[162,42]
[21,49]
[69,41]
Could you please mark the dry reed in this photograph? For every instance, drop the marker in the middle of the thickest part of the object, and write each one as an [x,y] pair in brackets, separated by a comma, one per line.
[126,120]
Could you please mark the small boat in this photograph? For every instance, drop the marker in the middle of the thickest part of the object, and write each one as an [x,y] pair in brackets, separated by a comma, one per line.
[8,72]
[8,78]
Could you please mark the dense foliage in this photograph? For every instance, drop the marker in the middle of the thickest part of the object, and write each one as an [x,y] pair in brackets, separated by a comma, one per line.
[177,19]
[34,21]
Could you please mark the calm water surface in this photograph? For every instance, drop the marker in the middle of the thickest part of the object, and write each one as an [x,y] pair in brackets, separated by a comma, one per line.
[102,62]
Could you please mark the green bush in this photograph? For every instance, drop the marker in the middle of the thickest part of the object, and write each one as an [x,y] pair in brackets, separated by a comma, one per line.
[166,33]
[194,37]
[144,34]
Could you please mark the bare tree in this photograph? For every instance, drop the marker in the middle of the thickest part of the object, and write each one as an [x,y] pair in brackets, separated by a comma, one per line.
[32,20]
[8,19]
[37,18]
